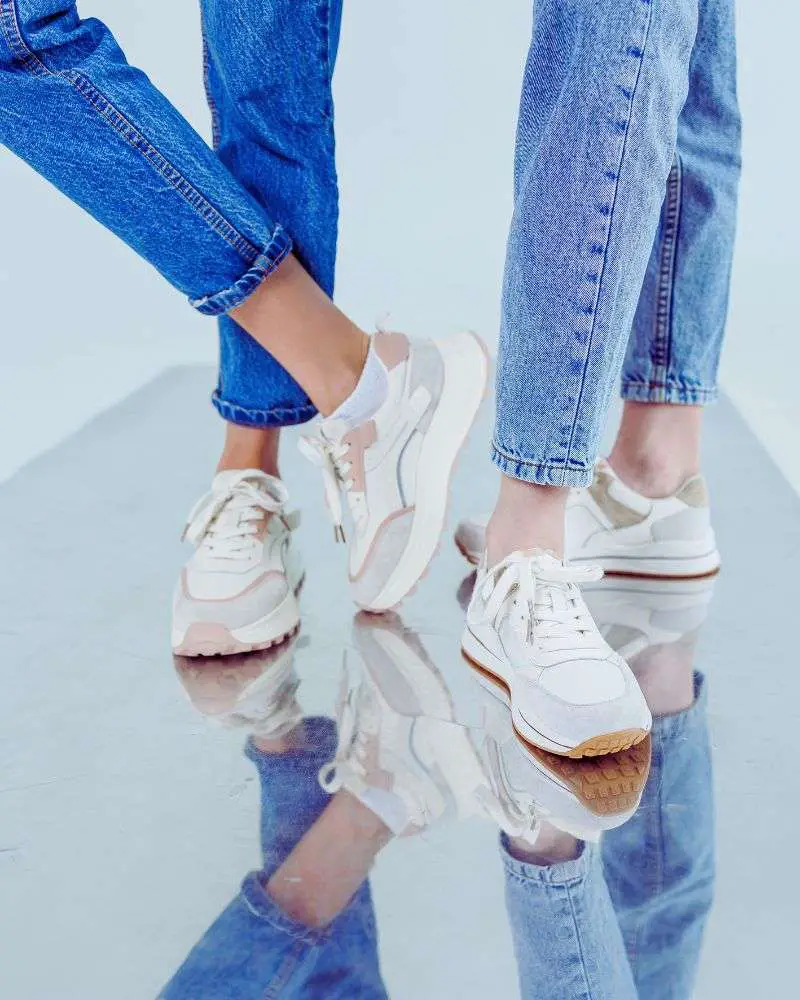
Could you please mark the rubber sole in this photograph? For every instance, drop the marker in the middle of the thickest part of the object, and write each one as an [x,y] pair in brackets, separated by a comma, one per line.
[217,639]
[634,568]
[607,785]
[596,746]
[466,372]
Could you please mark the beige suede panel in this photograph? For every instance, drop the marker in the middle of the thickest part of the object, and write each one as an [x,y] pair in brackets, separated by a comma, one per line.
[694,493]
[392,348]
[357,441]
[617,513]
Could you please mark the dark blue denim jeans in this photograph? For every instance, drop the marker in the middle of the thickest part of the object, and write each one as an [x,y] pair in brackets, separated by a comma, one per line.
[214,224]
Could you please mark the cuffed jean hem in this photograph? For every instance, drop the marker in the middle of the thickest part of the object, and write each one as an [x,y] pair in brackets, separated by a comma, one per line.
[541,473]
[279,247]
[276,416]
[261,905]
[560,873]
[650,392]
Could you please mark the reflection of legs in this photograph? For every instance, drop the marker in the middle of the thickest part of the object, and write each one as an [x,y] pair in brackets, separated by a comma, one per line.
[566,937]
[673,353]
[592,161]
[257,945]
[660,866]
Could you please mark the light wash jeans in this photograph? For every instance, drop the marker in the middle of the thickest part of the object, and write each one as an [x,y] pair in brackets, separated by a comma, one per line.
[213,224]
[618,924]
[626,921]
[621,102]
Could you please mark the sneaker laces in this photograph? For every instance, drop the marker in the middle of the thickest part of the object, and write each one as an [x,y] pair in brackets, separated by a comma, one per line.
[330,456]
[226,521]
[542,599]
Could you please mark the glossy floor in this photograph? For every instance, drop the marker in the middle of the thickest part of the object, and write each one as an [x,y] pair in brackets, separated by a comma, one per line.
[130,815]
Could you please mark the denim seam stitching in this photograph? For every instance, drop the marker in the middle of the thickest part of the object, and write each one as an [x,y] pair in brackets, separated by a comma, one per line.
[556,467]
[136,139]
[581,956]
[623,148]
[665,292]
[284,973]
[212,105]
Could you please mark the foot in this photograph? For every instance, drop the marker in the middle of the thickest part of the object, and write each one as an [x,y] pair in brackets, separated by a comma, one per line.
[238,591]
[532,641]
[395,468]
[401,751]
[626,533]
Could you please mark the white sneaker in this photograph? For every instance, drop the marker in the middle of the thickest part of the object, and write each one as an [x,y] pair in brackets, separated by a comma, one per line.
[635,615]
[238,590]
[584,797]
[401,752]
[533,642]
[625,533]
[254,692]
[395,468]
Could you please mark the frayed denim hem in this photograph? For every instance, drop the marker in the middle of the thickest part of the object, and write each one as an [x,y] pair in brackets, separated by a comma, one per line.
[275,416]
[651,392]
[541,473]
[279,247]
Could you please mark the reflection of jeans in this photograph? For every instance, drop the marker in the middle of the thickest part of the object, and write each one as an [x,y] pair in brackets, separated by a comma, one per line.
[635,933]
[253,950]
[621,102]
[660,866]
[214,226]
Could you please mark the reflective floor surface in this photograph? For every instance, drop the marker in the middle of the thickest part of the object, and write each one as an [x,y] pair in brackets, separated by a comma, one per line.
[140,794]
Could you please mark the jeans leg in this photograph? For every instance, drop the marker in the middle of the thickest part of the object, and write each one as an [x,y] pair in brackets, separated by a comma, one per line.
[566,937]
[660,865]
[269,68]
[72,107]
[674,350]
[253,950]
[603,88]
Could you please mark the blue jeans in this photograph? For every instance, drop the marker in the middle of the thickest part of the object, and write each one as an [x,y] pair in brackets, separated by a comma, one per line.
[625,922]
[626,179]
[214,224]
[253,950]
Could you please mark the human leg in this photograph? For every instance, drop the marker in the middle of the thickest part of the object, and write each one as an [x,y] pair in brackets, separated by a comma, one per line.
[673,353]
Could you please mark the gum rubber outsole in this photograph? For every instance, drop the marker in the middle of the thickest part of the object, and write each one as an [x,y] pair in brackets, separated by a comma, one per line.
[595,746]
[606,785]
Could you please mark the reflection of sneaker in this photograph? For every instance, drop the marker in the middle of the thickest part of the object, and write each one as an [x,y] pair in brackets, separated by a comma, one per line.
[610,524]
[395,468]
[634,615]
[255,692]
[583,797]
[534,643]
[400,751]
[238,591]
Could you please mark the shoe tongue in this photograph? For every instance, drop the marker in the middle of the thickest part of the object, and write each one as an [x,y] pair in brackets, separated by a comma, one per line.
[224,481]
[545,557]
[333,429]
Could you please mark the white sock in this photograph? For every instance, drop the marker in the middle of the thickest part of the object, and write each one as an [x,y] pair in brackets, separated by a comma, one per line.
[387,807]
[369,394]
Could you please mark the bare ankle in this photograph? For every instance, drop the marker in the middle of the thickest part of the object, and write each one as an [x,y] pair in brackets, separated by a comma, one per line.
[250,448]
[657,447]
[526,516]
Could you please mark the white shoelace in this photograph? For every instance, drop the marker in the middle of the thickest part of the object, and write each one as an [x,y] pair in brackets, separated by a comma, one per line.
[226,522]
[540,596]
[330,457]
